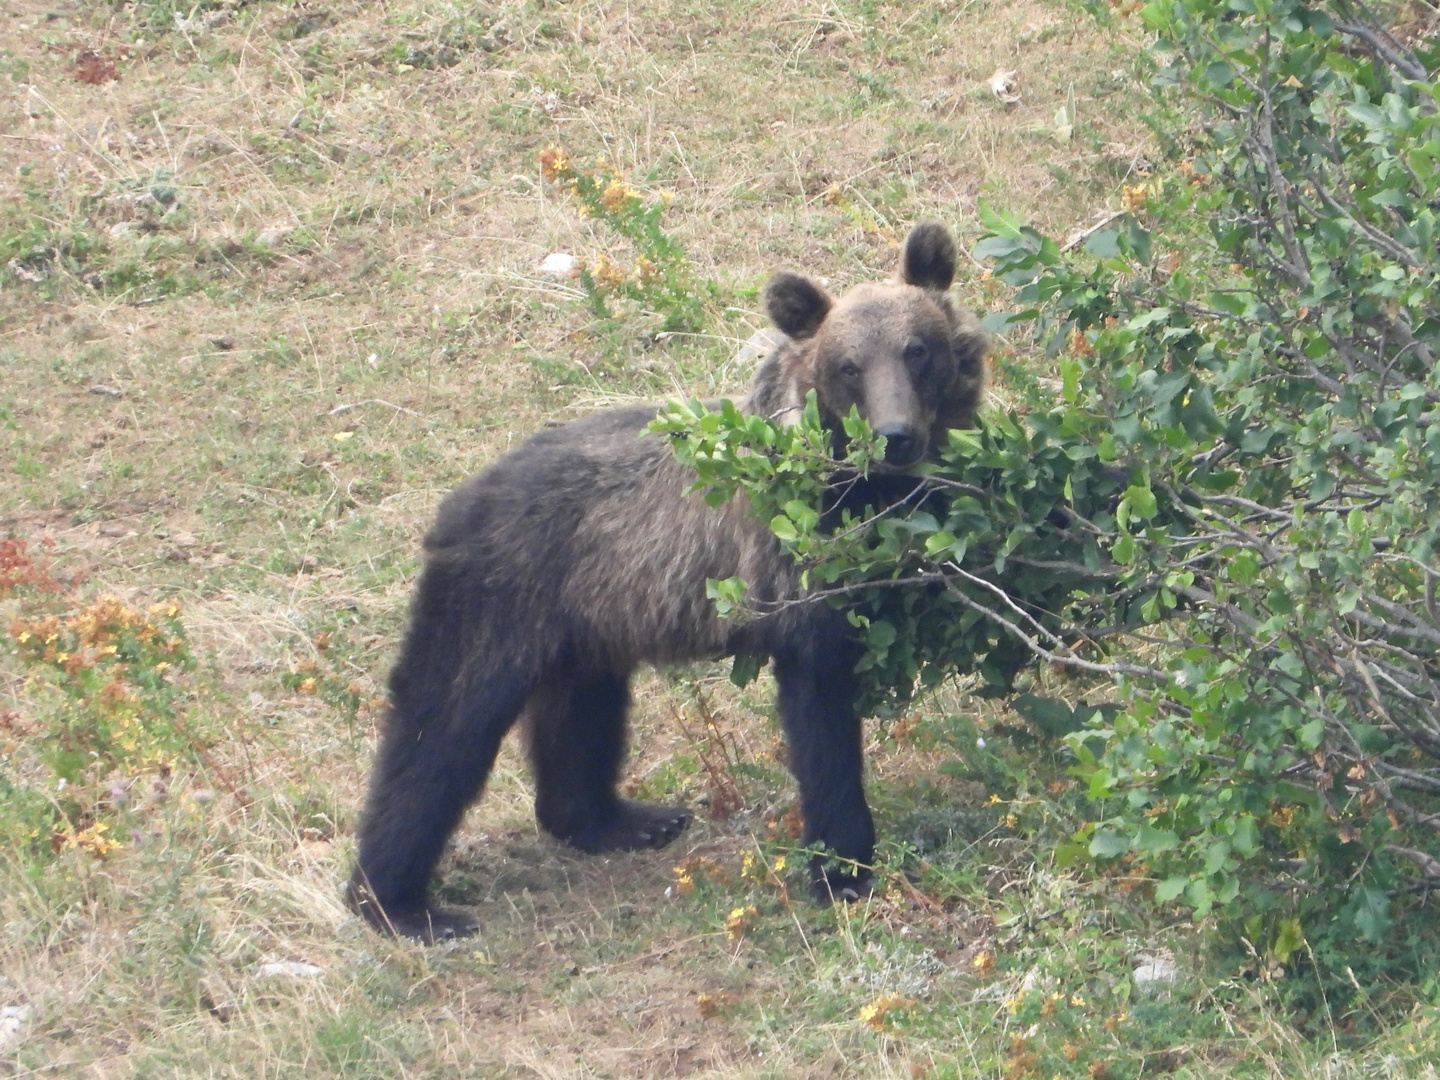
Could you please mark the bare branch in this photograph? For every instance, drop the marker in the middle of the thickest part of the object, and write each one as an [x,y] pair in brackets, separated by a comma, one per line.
[1428,864]
[1044,653]
[1391,51]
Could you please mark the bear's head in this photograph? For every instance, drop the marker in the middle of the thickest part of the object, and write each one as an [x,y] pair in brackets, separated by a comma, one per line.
[900,351]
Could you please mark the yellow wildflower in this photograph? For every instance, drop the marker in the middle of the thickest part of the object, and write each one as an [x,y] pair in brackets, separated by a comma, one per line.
[554,163]
[875,1013]
[740,920]
[617,195]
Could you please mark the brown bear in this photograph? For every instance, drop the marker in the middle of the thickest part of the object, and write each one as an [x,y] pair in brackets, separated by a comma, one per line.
[552,574]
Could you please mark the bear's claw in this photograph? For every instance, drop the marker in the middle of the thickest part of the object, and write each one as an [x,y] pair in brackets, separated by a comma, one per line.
[427,925]
[634,827]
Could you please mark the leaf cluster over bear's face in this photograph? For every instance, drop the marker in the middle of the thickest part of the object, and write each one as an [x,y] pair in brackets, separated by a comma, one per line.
[900,352]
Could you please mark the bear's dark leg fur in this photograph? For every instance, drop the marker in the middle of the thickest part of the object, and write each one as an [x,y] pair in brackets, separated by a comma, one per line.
[815,676]
[450,708]
[577,744]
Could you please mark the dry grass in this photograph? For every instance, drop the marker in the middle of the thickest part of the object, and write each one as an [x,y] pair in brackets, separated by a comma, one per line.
[276,212]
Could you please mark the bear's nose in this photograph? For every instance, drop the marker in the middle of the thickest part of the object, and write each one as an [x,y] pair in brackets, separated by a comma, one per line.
[901,446]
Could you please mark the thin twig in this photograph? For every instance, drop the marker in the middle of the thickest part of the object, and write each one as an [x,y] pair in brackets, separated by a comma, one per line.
[1044,653]
[372,401]
[1080,237]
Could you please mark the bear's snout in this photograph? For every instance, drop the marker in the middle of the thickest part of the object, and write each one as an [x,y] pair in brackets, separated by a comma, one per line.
[901,445]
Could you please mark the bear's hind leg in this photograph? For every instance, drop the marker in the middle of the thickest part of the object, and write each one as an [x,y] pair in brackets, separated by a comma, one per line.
[437,751]
[577,744]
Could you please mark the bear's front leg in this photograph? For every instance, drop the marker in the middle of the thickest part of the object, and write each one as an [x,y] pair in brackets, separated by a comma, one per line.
[815,673]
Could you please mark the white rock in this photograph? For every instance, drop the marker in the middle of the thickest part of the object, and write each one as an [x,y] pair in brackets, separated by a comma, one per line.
[288,969]
[23,272]
[13,1019]
[1155,976]
[274,234]
[559,263]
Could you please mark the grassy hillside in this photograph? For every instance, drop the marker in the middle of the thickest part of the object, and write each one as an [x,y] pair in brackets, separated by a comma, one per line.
[270,283]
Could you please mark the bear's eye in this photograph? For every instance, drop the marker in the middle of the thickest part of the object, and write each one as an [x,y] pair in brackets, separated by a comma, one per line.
[850,371]
[917,354]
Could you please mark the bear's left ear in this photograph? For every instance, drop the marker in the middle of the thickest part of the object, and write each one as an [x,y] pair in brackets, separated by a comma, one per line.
[796,305]
[929,259]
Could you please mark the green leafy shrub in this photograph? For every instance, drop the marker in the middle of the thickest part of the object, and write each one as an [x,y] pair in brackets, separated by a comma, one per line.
[1232,511]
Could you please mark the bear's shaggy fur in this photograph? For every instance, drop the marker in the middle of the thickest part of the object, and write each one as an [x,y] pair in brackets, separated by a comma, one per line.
[552,574]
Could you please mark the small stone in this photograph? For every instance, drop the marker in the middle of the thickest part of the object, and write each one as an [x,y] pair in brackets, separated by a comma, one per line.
[107,391]
[274,234]
[223,342]
[313,850]
[23,272]
[1155,976]
[559,263]
[13,1019]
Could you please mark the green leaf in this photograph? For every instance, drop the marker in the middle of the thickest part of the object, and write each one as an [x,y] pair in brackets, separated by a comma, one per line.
[745,668]
[1244,568]
[938,543]
[1153,841]
[1200,896]
[1370,910]
[1218,74]
[1141,501]
[783,527]
[1051,716]
[1170,888]
[1070,379]
[880,635]
[1104,244]
[1246,838]
[1001,224]
[1289,936]
[1257,440]
[997,247]
[1107,844]
[1149,318]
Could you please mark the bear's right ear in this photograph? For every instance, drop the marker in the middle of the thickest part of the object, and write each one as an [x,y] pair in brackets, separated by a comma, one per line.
[796,305]
[929,259]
